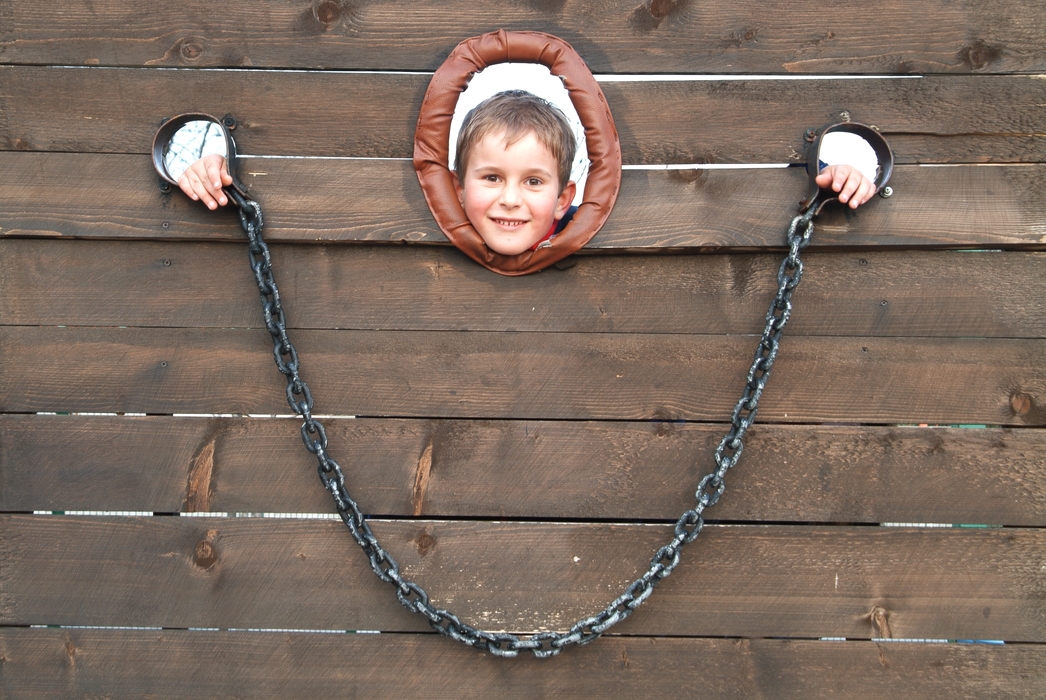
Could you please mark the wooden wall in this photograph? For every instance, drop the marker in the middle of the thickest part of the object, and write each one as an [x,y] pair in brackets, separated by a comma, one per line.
[523,444]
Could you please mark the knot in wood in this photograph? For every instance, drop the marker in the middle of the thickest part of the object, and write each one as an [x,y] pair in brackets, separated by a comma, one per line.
[660,9]
[1021,403]
[880,619]
[978,54]
[205,555]
[327,13]
[190,48]
[688,176]
[424,542]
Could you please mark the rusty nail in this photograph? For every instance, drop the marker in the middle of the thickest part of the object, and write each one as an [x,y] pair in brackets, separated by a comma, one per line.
[811,136]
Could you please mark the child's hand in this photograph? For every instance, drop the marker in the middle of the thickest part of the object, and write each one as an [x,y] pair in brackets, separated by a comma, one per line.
[204,179]
[853,187]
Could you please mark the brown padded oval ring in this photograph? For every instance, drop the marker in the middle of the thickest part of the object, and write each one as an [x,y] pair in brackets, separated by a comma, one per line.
[432,143]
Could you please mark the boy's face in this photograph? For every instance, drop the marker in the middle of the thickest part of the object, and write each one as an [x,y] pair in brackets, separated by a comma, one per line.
[511,194]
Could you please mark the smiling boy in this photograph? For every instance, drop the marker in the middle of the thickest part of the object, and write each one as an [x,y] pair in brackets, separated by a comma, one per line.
[515,151]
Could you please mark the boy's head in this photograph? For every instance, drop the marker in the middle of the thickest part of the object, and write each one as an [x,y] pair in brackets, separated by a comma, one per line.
[514,156]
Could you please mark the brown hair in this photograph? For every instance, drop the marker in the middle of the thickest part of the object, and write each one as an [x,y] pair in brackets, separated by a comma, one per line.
[518,113]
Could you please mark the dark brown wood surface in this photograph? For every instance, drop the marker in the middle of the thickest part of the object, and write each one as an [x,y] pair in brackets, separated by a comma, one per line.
[177,664]
[525,444]
[110,196]
[170,284]
[524,375]
[622,36]
[765,580]
[943,119]
[518,469]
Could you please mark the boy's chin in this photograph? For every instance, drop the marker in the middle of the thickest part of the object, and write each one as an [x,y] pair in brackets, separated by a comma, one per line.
[507,244]
[503,248]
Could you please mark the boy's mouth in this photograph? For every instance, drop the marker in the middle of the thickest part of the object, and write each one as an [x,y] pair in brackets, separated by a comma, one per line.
[509,223]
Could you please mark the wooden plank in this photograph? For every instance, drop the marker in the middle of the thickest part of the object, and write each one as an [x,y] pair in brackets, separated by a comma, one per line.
[749,36]
[524,375]
[102,283]
[72,195]
[944,119]
[778,581]
[526,469]
[180,663]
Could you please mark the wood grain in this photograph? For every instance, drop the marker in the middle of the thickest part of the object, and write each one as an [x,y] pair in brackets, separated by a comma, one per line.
[944,119]
[527,442]
[107,196]
[47,663]
[625,36]
[169,284]
[788,581]
[524,375]
[525,469]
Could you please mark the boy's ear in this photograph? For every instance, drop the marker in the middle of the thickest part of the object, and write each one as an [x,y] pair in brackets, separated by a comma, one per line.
[458,189]
[565,198]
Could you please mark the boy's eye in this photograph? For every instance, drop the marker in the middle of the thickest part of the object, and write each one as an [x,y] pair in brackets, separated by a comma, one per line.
[534,182]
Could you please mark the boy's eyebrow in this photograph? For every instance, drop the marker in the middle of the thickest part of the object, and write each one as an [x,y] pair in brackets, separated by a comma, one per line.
[537,169]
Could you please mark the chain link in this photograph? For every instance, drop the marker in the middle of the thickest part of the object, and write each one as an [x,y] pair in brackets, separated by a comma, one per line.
[664,561]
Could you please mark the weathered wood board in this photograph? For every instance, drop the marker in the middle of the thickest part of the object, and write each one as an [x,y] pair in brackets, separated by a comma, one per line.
[173,663]
[621,36]
[939,118]
[515,469]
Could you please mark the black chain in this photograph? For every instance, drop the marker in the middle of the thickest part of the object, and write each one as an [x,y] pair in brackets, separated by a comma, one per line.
[665,560]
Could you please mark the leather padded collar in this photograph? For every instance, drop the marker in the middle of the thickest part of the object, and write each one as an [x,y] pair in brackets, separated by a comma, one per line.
[432,145]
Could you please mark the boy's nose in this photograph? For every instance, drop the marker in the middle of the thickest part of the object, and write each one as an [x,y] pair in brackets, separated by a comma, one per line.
[510,196]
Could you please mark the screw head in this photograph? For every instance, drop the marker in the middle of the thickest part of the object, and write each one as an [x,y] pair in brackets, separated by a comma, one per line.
[886,192]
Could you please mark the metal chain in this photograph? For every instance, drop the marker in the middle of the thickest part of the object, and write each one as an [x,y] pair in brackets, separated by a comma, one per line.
[664,561]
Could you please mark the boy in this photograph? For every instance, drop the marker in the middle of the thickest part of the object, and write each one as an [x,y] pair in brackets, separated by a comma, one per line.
[514,155]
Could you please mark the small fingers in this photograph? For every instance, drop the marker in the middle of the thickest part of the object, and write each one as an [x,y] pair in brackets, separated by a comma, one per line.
[863,194]
[214,180]
[203,181]
[849,186]
[862,190]
[226,177]
[197,188]
[825,177]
